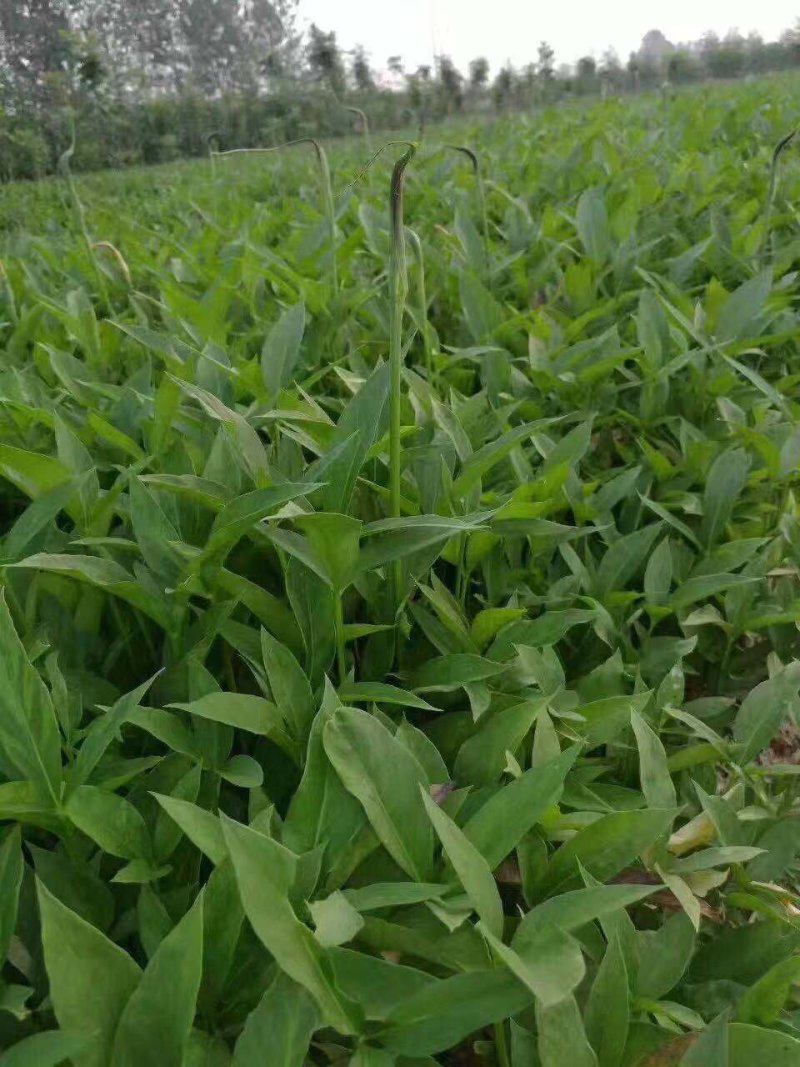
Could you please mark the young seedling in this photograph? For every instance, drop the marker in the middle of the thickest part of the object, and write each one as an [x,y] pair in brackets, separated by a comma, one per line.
[325,179]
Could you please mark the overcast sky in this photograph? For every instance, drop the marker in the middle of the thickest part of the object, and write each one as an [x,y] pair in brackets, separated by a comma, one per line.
[511,30]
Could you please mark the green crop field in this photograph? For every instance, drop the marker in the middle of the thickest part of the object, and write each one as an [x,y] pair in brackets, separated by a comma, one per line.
[399,601]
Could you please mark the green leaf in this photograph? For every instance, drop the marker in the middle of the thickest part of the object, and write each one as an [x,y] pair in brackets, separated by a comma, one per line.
[755,1046]
[482,758]
[381,693]
[290,687]
[550,963]
[110,820]
[360,425]
[501,823]
[738,314]
[453,672]
[444,1012]
[725,481]
[335,920]
[279,1029]
[666,953]
[659,792]
[606,846]
[562,1038]
[391,539]
[251,713]
[201,827]
[46,1049]
[384,776]
[763,710]
[240,515]
[624,558]
[710,1049]
[470,867]
[607,1013]
[764,1001]
[11,868]
[36,518]
[592,224]
[156,1021]
[265,872]
[322,813]
[75,954]
[29,737]
[281,350]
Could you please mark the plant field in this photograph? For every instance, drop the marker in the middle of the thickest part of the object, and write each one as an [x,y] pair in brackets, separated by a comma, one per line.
[399,653]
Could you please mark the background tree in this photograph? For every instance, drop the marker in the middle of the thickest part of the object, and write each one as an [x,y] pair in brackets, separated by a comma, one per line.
[324,59]
[362,71]
[478,74]
[450,81]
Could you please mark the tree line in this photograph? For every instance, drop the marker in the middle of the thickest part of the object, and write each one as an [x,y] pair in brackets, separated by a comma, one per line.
[143,81]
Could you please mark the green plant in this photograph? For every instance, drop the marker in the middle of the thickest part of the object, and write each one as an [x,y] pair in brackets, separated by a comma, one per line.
[364,711]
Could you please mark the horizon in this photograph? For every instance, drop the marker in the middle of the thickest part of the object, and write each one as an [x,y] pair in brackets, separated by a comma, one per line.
[459,29]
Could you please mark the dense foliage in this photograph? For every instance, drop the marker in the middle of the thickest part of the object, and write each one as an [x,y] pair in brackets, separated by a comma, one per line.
[510,778]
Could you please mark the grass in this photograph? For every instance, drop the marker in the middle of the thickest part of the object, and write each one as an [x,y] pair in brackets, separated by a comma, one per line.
[400,658]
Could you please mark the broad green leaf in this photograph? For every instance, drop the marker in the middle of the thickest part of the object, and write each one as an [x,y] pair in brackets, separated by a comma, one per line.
[592,225]
[265,873]
[482,758]
[501,823]
[279,1029]
[29,738]
[755,1046]
[201,827]
[251,713]
[606,846]
[550,963]
[470,867]
[11,869]
[157,1019]
[281,350]
[335,920]
[607,1012]
[290,687]
[75,954]
[724,483]
[562,1038]
[763,710]
[666,953]
[738,314]
[45,1049]
[385,778]
[659,792]
[380,693]
[710,1049]
[764,1001]
[444,1012]
[110,820]
[624,558]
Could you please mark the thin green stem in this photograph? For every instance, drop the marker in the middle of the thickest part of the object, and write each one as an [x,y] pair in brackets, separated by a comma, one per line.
[338,623]
[397,293]
[501,1046]
[773,178]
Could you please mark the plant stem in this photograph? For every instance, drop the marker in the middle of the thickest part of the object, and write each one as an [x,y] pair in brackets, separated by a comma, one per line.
[338,623]
[397,295]
[500,1045]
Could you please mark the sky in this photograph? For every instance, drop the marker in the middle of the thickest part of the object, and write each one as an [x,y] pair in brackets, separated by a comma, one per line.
[510,30]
